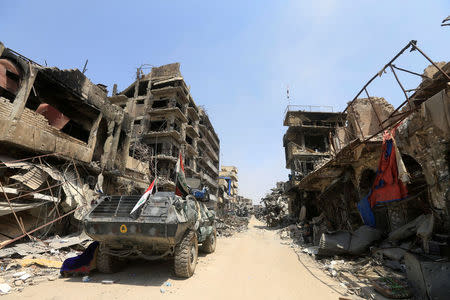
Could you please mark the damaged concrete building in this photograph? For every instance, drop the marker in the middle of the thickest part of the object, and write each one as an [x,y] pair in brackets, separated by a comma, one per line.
[307,142]
[228,186]
[64,142]
[327,196]
[167,120]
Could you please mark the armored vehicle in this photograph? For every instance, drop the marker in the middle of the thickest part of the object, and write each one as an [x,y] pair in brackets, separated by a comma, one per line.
[165,226]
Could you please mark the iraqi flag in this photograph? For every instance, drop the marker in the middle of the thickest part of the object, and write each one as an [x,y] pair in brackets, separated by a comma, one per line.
[181,187]
[144,197]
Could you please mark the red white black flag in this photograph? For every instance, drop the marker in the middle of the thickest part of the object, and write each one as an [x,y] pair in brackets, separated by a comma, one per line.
[181,187]
[144,197]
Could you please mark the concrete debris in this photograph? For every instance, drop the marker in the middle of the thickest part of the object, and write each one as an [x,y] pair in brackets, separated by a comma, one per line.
[50,245]
[4,288]
[24,266]
[276,208]
[230,224]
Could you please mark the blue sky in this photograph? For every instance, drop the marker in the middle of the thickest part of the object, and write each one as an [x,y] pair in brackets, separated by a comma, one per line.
[237,56]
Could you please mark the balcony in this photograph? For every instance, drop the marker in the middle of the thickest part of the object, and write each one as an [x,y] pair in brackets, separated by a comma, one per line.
[168,111]
[155,134]
[209,180]
[212,167]
[192,131]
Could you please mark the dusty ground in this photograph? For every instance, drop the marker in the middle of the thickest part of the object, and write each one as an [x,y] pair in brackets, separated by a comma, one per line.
[249,265]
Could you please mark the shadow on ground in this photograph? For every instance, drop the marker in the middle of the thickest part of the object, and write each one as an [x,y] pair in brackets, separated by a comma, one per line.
[137,272]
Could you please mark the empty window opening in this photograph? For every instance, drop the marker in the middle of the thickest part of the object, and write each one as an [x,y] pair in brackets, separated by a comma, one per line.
[157,125]
[163,103]
[142,88]
[76,130]
[176,126]
[315,142]
[189,140]
[156,148]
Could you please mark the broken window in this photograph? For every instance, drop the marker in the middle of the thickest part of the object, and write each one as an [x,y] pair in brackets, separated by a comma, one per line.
[315,142]
[157,125]
[76,130]
[156,148]
[163,103]
[188,139]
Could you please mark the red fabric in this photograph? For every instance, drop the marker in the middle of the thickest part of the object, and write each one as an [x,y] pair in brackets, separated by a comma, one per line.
[387,186]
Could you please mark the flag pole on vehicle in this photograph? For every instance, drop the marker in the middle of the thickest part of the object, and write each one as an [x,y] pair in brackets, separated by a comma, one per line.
[181,187]
[144,197]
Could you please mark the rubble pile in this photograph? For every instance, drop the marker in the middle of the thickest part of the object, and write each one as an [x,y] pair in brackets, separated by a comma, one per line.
[34,262]
[366,256]
[276,209]
[230,224]
[382,191]
[242,210]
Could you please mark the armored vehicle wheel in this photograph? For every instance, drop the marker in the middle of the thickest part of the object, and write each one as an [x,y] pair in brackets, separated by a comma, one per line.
[107,263]
[209,245]
[186,254]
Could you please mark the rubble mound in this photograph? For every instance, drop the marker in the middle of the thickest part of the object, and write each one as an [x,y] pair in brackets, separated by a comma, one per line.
[276,209]
[229,225]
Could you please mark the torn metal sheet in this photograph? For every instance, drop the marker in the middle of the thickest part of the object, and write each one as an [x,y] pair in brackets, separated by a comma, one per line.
[14,164]
[5,209]
[55,243]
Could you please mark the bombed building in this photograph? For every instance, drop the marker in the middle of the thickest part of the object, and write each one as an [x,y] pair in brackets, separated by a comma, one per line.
[378,172]
[64,142]
[167,121]
[228,186]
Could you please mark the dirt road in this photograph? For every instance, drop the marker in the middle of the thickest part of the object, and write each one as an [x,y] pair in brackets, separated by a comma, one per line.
[249,265]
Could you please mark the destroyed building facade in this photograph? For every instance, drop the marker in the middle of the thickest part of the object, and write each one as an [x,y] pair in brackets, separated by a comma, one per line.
[229,186]
[167,120]
[308,142]
[63,142]
[327,200]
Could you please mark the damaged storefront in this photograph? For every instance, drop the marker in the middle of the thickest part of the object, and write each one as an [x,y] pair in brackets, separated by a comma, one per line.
[383,187]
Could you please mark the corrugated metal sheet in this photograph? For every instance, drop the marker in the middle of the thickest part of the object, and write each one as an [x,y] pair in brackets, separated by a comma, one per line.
[34,178]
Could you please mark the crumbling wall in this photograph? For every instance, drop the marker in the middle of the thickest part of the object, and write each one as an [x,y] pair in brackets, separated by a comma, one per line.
[425,137]
[366,114]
